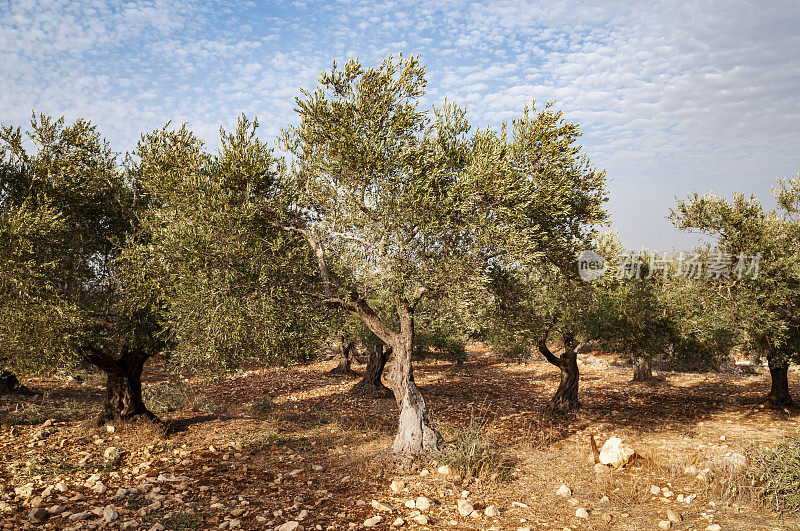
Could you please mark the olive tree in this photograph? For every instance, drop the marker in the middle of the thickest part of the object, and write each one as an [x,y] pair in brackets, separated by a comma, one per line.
[230,284]
[763,289]
[66,208]
[410,197]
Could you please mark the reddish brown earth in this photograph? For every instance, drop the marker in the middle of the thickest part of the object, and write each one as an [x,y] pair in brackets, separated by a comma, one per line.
[230,462]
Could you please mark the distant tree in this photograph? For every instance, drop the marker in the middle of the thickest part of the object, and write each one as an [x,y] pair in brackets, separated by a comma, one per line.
[766,308]
[382,187]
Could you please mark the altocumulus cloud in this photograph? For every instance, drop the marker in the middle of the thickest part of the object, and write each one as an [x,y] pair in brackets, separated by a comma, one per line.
[670,97]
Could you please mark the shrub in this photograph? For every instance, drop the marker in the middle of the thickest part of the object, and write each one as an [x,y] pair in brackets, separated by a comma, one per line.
[472,453]
[776,474]
[164,398]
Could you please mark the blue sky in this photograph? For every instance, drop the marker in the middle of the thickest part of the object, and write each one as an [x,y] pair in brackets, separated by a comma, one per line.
[671,97]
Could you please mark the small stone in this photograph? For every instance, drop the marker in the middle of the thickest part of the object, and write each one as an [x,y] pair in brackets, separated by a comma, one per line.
[60,487]
[490,511]
[289,526]
[445,470]
[679,499]
[573,501]
[519,504]
[56,509]
[411,504]
[372,522]
[38,515]
[713,527]
[421,519]
[239,511]
[99,488]
[475,514]
[318,468]
[112,453]
[110,428]
[379,506]
[423,503]
[85,515]
[109,514]
[674,517]
[424,472]
[397,486]
[655,490]
[564,491]
[600,468]
[465,508]
[582,513]
[157,527]
[398,522]
[664,524]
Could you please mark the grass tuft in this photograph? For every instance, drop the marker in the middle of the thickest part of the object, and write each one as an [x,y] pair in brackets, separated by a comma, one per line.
[473,453]
[776,476]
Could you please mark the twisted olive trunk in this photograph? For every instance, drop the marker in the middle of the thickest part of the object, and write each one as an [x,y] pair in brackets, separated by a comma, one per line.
[123,400]
[565,398]
[371,383]
[345,359]
[779,395]
[416,432]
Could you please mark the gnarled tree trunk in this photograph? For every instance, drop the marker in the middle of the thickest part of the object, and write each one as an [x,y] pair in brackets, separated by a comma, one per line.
[779,395]
[416,432]
[371,383]
[642,369]
[345,359]
[565,398]
[123,400]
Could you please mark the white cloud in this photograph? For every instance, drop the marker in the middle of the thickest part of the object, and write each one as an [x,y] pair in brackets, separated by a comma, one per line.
[701,95]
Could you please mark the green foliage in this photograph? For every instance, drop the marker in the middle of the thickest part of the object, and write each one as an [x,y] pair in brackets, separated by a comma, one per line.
[65,206]
[764,308]
[777,476]
[411,200]
[211,251]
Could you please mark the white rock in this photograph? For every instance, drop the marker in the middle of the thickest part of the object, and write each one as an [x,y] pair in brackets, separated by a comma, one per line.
[713,527]
[491,511]
[112,453]
[110,514]
[444,470]
[290,526]
[397,486]
[465,508]
[411,504]
[664,524]
[372,522]
[423,503]
[378,506]
[615,453]
[674,517]
[655,490]
[421,519]
[398,522]
[582,513]
[564,491]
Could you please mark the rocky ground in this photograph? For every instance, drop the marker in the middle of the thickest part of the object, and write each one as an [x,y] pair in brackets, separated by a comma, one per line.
[290,449]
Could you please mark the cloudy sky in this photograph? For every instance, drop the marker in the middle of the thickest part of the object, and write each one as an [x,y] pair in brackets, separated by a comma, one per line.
[671,97]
